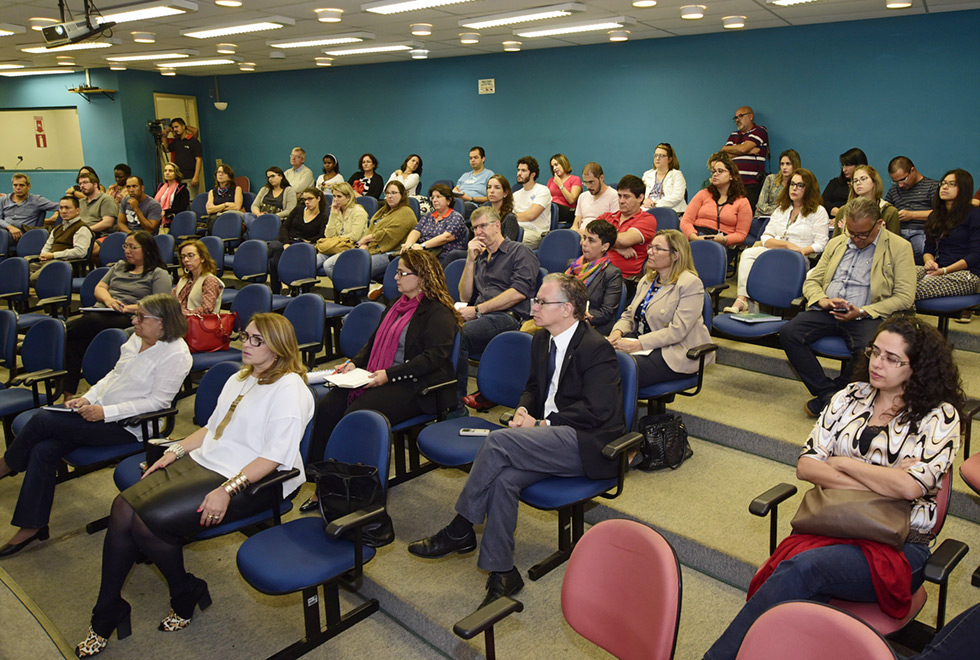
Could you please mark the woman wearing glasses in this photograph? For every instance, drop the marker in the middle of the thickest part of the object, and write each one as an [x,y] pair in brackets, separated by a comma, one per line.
[799,223]
[255,430]
[443,230]
[276,196]
[952,250]
[409,352]
[665,183]
[150,369]
[199,289]
[721,212]
[866,182]
[141,273]
[305,224]
[665,317]
[893,431]
[389,227]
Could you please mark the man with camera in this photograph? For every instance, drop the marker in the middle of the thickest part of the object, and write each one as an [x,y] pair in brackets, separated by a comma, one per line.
[186,153]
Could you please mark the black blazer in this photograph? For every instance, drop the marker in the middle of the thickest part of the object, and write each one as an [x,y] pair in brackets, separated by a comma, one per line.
[589,396]
[428,360]
[604,293]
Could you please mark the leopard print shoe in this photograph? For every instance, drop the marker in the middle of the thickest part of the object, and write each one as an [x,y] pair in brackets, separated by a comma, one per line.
[173,622]
[91,645]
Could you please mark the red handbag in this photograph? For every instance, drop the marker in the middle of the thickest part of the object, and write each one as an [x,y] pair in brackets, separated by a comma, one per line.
[207,333]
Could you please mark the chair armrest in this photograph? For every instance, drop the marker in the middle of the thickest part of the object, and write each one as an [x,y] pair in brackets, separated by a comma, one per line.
[761,505]
[975,581]
[798,302]
[425,391]
[253,277]
[275,478]
[310,346]
[11,294]
[38,376]
[622,444]
[356,519]
[31,257]
[225,241]
[715,289]
[148,417]
[942,562]
[304,281]
[506,417]
[698,352]
[52,300]
[487,616]
[352,289]
[187,237]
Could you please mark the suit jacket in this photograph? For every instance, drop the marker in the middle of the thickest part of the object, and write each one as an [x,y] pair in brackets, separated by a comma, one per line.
[892,274]
[428,360]
[589,396]
[604,293]
[675,317]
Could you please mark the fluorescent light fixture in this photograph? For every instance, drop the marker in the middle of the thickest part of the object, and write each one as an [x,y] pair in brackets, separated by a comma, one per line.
[323,61]
[733,22]
[269,23]
[39,22]
[333,40]
[83,45]
[643,4]
[144,37]
[419,54]
[512,46]
[368,50]
[526,16]
[214,61]
[619,35]
[6,29]
[12,64]
[246,66]
[421,29]
[168,72]
[67,60]
[227,49]
[469,38]
[329,15]
[605,24]
[115,66]
[692,12]
[398,6]
[148,10]
[35,72]
[898,5]
[788,3]
[229,3]
[158,55]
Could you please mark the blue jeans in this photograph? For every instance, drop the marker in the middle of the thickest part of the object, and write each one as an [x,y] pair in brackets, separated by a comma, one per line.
[917,237]
[379,264]
[836,571]
[958,639]
[476,335]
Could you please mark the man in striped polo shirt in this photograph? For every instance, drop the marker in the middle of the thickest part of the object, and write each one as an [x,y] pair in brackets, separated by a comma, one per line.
[748,146]
[912,195]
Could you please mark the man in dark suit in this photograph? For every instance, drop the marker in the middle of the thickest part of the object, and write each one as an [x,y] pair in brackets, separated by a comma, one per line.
[572,407]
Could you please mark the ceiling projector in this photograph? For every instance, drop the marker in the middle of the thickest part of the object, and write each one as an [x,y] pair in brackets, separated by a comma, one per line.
[72,32]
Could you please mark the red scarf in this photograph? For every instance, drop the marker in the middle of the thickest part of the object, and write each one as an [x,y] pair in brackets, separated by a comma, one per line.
[389,333]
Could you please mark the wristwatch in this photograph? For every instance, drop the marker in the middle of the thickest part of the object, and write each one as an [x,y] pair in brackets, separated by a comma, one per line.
[476,308]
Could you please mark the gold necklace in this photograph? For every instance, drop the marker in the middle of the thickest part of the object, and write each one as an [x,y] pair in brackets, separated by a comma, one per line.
[231,410]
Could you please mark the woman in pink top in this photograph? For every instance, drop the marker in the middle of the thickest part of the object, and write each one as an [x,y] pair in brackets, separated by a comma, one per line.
[565,188]
[721,212]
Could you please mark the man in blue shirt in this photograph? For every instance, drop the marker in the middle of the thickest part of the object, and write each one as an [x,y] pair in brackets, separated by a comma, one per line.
[472,186]
[21,211]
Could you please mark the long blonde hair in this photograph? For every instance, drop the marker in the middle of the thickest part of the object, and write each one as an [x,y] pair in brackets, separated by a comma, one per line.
[345,189]
[280,336]
[685,262]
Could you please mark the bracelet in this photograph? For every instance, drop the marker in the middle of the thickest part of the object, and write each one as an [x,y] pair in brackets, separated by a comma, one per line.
[236,484]
[944,271]
[177,450]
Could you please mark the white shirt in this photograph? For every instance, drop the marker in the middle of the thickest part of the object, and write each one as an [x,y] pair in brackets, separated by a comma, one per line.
[269,422]
[590,207]
[809,230]
[561,347]
[540,195]
[672,189]
[323,183]
[141,382]
[410,181]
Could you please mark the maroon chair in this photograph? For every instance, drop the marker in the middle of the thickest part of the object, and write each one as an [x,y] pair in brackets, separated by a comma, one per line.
[804,629]
[970,471]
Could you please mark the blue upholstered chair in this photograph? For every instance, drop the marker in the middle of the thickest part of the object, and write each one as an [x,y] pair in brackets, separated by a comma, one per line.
[265,228]
[666,218]
[711,262]
[250,264]
[42,356]
[53,288]
[305,312]
[558,247]
[111,249]
[946,308]
[297,270]
[184,226]
[454,271]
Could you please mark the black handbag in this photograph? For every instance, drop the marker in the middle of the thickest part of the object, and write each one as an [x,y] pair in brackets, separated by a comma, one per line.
[343,488]
[664,443]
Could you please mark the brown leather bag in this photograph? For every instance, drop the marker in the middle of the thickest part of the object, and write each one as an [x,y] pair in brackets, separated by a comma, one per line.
[334,245]
[854,514]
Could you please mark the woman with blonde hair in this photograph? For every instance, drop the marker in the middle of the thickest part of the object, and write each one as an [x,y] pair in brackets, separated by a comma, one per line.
[665,316]
[867,183]
[345,227]
[199,289]
[255,429]
[775,183]
[666,187]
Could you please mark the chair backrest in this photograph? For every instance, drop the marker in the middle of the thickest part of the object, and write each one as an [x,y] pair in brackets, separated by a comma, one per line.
[622,590]
[183,224]
[448,182]
[4,243]
[666,218]
[542,273]
[504,368]
[166,244]
[305,312]
[557,248]
[54,280]
[942,500]
[711,261]
[553,214]
[807,629]
[756,229]
[359,324]
[8,338]
[265,227]
[213,380]
[414,203]
[454,271]
[227,225]
[111,248]
[776,278]
[251,258]
[707,312]
[520,234]
[199,205]
[243,183]
[87,293]
[459,206]
[31,242]
[248,198]
[102,354]
[630,383]
[14,276]
[252,299]
[390,286]
[44,346]
[363,436]
[298,262]
[216,249]
[352,269]
[369,203]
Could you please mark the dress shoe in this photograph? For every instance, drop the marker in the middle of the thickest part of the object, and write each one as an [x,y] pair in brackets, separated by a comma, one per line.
[478,402]
[309,505]
[182,605]
[507,583]
[13,548]
[115,618]
[965,317]
[814,407]
[443,544]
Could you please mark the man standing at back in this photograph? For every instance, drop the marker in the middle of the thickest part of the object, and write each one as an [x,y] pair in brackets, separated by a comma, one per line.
[186,153]
[597,198]
[911,193]
[472,186]
[748,146]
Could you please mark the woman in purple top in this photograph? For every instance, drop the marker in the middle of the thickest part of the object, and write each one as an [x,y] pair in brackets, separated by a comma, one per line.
[441,231]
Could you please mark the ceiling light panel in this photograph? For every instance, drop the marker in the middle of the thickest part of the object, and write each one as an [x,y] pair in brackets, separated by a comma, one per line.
[35,72]
[158,55]
[6,29]
[214,61]
[527,16]
[332,40]
[558,29]
[398,6]
[149,10]
[367,50]
[84,45]
[268,23]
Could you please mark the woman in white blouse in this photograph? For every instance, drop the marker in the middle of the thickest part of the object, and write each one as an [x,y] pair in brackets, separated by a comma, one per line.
[256,428]
[331,174]
[150,369]
[799,223]
[409,174]
[665,183]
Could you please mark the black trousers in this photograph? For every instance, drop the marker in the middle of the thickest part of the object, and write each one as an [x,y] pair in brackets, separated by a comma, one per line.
[81,331]
[652,369]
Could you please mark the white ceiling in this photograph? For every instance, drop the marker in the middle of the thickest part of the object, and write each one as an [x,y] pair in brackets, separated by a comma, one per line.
[660,21]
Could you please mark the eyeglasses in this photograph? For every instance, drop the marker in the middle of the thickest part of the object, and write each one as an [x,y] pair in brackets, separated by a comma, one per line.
[132,246]
[140,316]
[403,273]
[657,248]
[948,184]
[252,340]
[873,352]
[862,179]
[541,302]
[865,234]
[660,156]
[798,186]
[188,256]
[391,193]
[737,117]
[903,179]
[720,170]
[482,225]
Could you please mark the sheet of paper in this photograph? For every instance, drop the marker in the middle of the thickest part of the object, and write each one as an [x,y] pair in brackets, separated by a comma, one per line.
[350,380]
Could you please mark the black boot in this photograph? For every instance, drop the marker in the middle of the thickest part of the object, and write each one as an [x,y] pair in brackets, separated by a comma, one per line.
[193,594]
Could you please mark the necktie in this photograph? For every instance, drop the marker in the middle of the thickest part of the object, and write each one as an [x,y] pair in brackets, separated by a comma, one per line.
[552,356]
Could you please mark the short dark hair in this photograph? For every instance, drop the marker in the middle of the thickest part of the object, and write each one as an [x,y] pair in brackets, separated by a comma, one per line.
[483,152]
[900,163]
[72,199]
[373,158]
[138,178]
[151,253]
[443,190]
[632,183]
[574,291]
[226,168]
[594,168]
[405,164]
[603,230]
[88,174]
[532,165]
[278,170]
[124,168]
[853,156]
[178,120]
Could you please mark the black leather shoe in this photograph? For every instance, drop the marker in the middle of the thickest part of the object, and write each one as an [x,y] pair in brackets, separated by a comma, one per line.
[13,548]
[814,407]
[443,544]
[309,505]
[507,583]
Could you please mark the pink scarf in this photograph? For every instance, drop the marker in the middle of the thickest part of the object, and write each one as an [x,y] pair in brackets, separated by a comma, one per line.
[165,194]
[389,333]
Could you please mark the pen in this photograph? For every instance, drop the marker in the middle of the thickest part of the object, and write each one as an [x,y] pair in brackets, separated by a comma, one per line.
[337,370]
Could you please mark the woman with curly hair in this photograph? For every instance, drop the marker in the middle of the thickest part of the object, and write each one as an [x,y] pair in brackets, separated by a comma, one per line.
[952,251]
[893,431]
[409,352]
[721,212]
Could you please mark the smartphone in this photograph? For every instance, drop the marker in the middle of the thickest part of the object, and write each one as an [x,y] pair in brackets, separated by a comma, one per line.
[840,310]
[475,432]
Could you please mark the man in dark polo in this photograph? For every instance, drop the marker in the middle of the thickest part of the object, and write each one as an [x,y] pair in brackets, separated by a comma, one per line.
[186,153]
[748,145]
